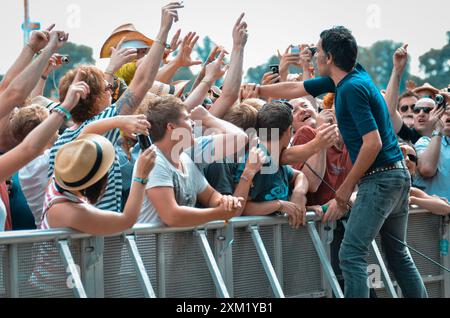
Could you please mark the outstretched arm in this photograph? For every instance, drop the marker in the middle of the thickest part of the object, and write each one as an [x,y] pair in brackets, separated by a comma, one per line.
[233,80]
[393,89]
[146,72]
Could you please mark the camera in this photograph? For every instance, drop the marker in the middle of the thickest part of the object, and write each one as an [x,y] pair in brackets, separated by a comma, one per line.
[144,142]
[62,59]
[275,69]
[440,100]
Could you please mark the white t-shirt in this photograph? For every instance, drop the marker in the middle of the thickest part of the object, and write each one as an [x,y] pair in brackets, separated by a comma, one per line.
[33,181]
[187,185]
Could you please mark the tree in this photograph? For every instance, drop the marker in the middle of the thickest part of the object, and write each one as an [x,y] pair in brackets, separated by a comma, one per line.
[79,54]
[255,74]
[377,60]
[436,65]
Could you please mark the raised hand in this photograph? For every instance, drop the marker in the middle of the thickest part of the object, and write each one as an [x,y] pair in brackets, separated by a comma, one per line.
[401,58]
[120,57]
[135,125]
[240,32]
[52,66]
[40,39]
[285,60]
[146,163]
[326,117]
[58,39]
[169,15]
[255,162]
[184,58]
[216,69]
[327,136]
[271,78]
[78,90]
[199,113]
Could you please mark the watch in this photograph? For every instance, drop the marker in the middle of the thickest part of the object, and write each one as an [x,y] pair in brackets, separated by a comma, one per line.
[140,180]
[437,133]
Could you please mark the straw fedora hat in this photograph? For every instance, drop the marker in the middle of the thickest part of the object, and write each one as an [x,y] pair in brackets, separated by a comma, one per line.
[83,162]
[176,88]
[127,31]
[426,88]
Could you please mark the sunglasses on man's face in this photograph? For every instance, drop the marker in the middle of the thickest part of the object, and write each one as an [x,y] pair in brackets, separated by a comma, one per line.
[412,158]
[426,110]
[405,108]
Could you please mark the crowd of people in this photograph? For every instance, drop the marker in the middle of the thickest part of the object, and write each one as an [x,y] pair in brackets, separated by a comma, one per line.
[217,153]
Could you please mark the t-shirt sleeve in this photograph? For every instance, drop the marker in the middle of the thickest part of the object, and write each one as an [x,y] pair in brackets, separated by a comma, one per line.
[290,174]
[422,145]
[357,98]
[318,86]
[161,176]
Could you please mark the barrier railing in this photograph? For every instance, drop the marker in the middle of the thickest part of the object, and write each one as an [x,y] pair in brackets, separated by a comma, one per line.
[247,257]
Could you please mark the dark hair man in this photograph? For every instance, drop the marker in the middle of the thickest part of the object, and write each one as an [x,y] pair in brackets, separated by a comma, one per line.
[379,169]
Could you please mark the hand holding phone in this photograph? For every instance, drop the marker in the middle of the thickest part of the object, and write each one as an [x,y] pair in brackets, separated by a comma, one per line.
[144,142]
[295,49]
[275,69]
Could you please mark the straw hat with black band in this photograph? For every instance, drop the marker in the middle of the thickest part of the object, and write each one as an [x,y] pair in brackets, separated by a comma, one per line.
[83,162]
[129,33]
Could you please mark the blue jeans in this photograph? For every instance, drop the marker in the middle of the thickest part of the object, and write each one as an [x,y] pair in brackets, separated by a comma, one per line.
[381,207]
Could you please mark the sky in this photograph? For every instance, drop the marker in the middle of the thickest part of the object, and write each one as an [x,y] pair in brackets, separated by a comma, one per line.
[272,25]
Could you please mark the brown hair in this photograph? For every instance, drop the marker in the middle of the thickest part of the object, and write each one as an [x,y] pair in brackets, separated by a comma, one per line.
[242,116]
[86,108]
[25,119]
[407,94]
[163,111]
[96,191]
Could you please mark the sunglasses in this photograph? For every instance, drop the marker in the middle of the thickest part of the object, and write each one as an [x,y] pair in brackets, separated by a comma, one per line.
[426,110]
[412,158]
[405,108]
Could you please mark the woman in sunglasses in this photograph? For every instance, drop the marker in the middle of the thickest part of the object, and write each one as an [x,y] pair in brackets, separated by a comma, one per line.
[434,204]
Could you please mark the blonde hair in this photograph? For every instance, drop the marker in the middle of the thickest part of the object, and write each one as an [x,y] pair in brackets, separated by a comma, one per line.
[26,119]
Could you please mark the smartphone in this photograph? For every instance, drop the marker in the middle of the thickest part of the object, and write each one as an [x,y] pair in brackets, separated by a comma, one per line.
[144,142]
[295,49]
[275,69]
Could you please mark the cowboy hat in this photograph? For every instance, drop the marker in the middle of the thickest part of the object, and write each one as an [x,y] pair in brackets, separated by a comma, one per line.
[426,87]
[176,88]
[83,162]
[130,34]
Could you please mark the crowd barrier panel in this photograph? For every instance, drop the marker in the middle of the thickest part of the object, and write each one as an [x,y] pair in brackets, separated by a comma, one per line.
[248,257]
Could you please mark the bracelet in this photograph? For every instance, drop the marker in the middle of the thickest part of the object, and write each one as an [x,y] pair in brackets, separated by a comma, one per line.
[64,112]
[165,45]
[32,49]
[140,180]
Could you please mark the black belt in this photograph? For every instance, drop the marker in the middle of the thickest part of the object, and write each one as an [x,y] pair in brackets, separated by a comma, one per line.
[393,166]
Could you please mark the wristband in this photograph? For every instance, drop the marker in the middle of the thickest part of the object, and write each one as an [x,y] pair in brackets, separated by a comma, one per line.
[165,45]
[32,49]
[63,111]
[140,180]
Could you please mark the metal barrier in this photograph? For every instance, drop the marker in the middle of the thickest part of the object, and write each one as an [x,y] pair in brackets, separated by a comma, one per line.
[251,257]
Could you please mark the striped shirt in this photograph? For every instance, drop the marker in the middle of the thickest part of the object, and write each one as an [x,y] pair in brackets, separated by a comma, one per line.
[112,199]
